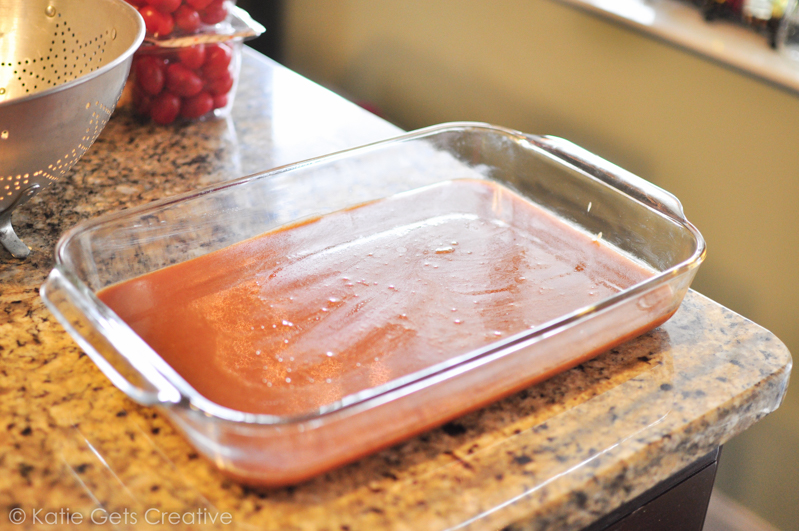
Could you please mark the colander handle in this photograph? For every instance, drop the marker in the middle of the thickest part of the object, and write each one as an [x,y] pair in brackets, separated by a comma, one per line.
[121,355]
[607,172]
[9,238]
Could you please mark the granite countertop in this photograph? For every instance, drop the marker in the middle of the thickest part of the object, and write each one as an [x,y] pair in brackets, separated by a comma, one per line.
[558,455]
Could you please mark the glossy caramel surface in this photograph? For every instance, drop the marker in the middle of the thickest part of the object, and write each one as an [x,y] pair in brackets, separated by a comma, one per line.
[303,316]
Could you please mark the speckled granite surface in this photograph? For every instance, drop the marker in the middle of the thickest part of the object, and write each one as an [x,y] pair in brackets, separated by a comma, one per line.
[556,456]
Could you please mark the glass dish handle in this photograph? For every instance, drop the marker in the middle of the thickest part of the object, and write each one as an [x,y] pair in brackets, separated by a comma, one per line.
[607,172]
[91,325]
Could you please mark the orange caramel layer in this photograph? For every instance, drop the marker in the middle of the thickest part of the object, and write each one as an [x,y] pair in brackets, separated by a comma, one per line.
[302,316]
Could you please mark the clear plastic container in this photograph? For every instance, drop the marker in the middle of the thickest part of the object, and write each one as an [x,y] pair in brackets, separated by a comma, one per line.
[190,76]
[632,216]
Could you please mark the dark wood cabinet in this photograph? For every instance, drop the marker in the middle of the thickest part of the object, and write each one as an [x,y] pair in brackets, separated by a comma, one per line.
[678,503]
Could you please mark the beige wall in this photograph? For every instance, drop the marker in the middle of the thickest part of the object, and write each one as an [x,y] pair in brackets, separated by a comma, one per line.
[726,144]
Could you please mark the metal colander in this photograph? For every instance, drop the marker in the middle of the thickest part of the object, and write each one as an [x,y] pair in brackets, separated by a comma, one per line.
[63,64]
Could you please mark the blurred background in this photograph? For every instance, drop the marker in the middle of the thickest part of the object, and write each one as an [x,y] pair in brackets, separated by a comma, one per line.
[725,142]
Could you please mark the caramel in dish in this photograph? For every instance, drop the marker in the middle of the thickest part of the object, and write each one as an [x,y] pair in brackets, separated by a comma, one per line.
[297,318]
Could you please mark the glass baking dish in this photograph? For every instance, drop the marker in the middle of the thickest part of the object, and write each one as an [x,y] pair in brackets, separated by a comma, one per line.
[626,213]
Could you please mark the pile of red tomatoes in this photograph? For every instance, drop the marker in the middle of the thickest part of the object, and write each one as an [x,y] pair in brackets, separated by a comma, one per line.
[188,82]
[163,17]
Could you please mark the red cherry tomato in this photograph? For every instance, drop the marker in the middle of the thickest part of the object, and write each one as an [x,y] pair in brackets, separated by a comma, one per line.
[211,72]
[196,106]
[192,57]
[217,56]
[156,22]
[198,4]
[165,6]
[149,71]
[187,19]
[165,108]
[137,3]
[214,13]
[152,19]
[167,25]
[182,81]
[141,101]
[220,85]
[220,100]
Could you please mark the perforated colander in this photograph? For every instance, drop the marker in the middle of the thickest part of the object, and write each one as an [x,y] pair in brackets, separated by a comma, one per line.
[63,64]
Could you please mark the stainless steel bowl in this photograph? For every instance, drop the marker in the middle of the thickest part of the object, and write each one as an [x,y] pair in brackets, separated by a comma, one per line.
[63,64]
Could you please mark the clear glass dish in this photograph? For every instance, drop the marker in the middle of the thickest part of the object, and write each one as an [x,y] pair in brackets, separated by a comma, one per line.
[629,214]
